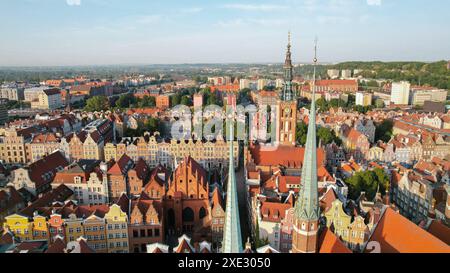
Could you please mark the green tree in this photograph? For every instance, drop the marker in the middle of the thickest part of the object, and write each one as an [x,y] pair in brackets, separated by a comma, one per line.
[379,103]
[384,130]
[244,95]
[185,100]
[327,136]
[97,103]
[301,133]
[175,99]
[147,101]
[368,182]
[126,100]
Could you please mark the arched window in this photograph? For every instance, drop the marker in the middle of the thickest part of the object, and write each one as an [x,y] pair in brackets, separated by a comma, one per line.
[202,213]
[188,215]
[303,226]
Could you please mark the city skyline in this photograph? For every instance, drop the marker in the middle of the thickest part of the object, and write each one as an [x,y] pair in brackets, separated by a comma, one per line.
[100,32]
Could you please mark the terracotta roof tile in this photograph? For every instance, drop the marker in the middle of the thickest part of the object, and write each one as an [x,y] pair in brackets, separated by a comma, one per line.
[396,234]
[330,243]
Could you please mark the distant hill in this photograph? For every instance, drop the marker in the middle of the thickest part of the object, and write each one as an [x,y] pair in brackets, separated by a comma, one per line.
[435,74]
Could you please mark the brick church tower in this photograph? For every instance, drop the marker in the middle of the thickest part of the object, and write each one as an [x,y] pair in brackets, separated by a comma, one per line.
[287,105]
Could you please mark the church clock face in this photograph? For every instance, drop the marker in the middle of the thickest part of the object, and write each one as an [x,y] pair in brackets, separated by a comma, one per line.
[287,110]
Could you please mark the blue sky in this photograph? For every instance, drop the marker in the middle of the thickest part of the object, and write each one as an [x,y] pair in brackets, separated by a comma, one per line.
[82,32]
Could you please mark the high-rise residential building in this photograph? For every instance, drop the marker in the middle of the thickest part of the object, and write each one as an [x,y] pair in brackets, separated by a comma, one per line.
[333,73]
[356,72]
[262,83]
[48,99]
[32,93]
[244,83]
[3,111]
[419,95]
[279,83]
[12,93]
[346,74]
[400,93]
[363,98]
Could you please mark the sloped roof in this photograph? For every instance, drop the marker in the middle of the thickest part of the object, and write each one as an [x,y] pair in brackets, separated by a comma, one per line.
[283,155]
[120,167]
[57,246]
[327,199]
[44,170]
[217,199]
[396,234]
[330,243]
[59,194]
[184,245]
[440,231]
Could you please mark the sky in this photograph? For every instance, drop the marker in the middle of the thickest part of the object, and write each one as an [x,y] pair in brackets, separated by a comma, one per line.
[101,32]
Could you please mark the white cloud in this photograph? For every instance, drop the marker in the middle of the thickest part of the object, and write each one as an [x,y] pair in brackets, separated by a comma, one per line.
[374,2]
[73,2]
[247,7]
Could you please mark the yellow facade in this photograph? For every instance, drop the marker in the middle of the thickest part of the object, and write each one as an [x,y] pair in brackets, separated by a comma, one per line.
[116,230]
[358,232]
[74,228]
[20,226]
[340,220]
[40,228]
[110,152]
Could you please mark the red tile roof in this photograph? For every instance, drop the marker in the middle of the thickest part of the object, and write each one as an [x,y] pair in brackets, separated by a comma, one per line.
[121,166]
[274,211]
[396,234]
[327,199]
[217,199]
[57,246]
[44,170]
[283,155]
[330,243]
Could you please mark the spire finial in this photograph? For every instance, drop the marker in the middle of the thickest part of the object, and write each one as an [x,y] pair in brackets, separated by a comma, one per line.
[315,65]
[289,38]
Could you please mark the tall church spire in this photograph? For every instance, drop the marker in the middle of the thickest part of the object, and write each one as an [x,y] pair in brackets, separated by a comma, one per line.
[232,240]
[306,214]
[288,75]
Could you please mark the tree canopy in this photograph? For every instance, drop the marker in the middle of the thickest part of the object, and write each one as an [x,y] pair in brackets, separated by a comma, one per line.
[368,182]
[97,103]
[324,135]
[384,130]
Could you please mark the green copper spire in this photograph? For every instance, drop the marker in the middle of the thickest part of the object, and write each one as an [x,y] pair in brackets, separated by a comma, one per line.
[232,240]
[288,94]
[307,205]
